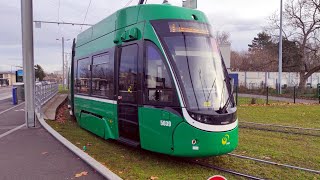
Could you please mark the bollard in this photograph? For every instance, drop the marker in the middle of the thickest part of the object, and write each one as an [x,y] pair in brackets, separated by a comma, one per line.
[14,96]
[267,94]
[294,94]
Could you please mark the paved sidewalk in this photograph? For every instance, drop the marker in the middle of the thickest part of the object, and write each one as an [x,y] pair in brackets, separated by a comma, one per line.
[31,154]
[278,98]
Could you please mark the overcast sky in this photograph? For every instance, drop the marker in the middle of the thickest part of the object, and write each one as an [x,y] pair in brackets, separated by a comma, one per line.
[243,19]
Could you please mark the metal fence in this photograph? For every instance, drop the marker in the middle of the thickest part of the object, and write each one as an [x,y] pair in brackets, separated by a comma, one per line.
[44,92]
[289,94]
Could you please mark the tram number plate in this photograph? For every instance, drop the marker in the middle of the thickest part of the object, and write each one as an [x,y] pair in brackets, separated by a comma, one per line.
[165,123]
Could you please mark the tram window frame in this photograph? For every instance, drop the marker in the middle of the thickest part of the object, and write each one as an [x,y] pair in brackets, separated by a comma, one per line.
[122,87]
[89,59]
[174,99]
[110,70]
[75,75]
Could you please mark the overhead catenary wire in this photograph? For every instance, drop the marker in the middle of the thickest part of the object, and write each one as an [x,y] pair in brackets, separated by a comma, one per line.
[58,19]
[130,1]
[63,23]
[58,16]
[85,16]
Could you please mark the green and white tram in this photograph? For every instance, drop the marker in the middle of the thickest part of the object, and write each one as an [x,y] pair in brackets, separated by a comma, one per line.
[152,76]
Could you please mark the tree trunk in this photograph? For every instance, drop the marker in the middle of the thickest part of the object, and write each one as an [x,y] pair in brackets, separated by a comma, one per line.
[303,82]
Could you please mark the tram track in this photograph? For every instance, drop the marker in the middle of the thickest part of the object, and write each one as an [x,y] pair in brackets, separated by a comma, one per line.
[275,163]
[229,171]
[281,128]
[248,176]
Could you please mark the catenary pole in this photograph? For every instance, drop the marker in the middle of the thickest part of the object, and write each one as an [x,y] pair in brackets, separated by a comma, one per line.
[280,51]
[28,61]
[62,39]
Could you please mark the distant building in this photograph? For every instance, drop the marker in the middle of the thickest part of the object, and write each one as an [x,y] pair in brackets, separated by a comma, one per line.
[254,80]
[9,76]
[54,77]
[57,72]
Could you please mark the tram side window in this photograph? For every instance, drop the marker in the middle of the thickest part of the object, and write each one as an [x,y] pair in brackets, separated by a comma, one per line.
[102,76]
[128,73]
[157,79]
[83,76]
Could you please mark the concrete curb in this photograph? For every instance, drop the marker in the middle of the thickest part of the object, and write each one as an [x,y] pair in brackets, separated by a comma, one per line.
[49,109]
[105,172]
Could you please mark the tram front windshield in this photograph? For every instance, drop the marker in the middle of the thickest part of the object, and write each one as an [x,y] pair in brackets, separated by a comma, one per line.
[197,63]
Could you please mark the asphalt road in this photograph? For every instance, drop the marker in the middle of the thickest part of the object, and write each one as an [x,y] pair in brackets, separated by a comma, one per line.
[5,92]
[5,104]
[32,153]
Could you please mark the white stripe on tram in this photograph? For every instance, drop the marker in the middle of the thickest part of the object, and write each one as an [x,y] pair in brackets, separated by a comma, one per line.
[96,99]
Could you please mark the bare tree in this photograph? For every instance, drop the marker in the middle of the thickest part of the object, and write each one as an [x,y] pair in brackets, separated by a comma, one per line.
[301,20]
[240,61]
[223,37]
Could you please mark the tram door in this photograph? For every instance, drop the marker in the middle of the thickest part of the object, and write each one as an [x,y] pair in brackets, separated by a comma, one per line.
[127,95]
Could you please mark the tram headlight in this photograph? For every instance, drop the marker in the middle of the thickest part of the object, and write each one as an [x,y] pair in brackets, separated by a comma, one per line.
[206,119]
[199,118]
[193,116]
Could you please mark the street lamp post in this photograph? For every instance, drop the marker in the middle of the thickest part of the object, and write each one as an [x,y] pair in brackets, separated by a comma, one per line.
[62,42]
[280,51]
[62,39]
[28,61]
[66,68]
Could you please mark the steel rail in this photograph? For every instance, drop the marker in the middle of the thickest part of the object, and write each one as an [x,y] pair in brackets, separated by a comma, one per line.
[275,163]
[280,131]
[282,126]
[224,170]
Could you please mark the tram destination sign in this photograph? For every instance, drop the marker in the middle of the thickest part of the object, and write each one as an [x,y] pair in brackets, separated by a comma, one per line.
[188,27]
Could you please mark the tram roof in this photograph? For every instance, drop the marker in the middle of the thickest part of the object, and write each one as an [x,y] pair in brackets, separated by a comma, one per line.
[134,14]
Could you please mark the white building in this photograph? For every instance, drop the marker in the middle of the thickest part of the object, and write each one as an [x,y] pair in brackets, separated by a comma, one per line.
[258,79]
[10,76]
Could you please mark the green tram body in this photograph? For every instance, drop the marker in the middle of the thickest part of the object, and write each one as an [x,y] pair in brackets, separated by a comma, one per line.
[118,107]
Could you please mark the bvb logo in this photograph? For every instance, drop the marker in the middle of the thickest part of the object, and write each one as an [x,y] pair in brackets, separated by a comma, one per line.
[225,140]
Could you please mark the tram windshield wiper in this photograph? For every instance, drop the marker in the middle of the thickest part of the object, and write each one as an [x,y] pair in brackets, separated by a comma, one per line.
[224,108]
[214,82]
[204,94]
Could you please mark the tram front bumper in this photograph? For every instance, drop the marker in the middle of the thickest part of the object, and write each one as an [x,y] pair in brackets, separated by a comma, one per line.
[189,141]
